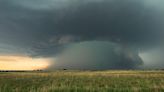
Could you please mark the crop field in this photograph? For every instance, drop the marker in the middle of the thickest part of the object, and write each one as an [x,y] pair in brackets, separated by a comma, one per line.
[82,81]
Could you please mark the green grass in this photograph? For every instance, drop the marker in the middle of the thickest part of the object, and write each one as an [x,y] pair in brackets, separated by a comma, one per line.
[83,81]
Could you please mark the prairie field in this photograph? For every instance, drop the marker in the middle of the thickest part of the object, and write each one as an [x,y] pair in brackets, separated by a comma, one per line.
[83,81]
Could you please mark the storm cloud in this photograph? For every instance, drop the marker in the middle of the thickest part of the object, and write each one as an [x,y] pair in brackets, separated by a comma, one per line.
[97,55]
[93,28]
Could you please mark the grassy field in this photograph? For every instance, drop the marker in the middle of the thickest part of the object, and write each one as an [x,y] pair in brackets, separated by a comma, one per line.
[83,81]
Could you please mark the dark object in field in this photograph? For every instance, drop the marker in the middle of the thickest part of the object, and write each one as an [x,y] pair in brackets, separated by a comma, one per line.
[64,69]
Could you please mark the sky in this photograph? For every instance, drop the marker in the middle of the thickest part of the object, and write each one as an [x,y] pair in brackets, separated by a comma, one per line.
[81,34]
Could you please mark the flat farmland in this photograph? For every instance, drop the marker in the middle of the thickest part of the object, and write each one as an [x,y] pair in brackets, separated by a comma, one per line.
[83,81]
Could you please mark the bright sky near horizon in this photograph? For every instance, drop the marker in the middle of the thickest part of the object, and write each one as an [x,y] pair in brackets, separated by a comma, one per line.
[22,63]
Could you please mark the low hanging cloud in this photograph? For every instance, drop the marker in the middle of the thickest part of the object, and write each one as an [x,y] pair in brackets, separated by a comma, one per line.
[97,28]
[97,55]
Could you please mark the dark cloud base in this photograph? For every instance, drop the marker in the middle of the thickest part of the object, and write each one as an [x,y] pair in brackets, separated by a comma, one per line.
[97,55]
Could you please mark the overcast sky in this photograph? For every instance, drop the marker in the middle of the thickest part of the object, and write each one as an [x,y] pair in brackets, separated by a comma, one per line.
[85,34]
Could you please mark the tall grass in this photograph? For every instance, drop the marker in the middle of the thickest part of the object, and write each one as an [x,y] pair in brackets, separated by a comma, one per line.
[83,81]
